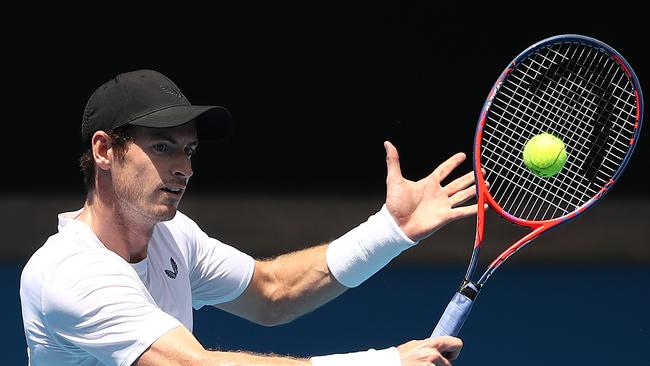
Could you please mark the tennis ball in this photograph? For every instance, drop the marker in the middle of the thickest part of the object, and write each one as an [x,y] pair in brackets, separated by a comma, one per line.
[544,154]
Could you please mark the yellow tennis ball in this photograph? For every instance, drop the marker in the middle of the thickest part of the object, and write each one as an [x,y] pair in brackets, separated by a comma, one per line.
[544,154]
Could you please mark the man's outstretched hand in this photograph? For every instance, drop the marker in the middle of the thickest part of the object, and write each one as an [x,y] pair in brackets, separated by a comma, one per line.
[424,206]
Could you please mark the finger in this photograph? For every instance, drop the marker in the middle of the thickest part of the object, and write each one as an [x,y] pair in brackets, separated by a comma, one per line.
[430,351]
[392,162]
[444,169]
[459,184]
[463,212]
[452,356]
[440,361]
[463,196]
[448,344]
[440,358]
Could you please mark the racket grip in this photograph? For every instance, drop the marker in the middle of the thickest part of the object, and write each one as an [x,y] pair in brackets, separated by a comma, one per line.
[456,312]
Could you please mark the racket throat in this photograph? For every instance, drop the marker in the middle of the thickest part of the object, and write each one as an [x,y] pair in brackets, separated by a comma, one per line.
[469,289]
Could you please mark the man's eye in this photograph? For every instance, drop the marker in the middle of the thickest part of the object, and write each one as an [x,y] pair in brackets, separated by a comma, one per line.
[189,152]
[160,147]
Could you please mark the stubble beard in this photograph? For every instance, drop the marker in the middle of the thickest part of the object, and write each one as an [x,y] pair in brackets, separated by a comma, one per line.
[132,203]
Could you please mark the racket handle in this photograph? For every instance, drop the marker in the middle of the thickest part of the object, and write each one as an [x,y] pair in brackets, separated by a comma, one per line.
[457,311]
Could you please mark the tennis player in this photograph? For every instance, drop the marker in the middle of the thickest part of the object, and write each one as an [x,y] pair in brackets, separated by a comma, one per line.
[116,285]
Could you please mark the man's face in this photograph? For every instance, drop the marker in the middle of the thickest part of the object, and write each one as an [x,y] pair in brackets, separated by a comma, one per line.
[151,179]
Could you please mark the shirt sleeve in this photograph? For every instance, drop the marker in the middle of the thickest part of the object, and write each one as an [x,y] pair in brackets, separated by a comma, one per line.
[218,272]
[96,303]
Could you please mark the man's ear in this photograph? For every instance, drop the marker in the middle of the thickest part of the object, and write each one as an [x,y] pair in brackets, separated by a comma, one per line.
[101,144]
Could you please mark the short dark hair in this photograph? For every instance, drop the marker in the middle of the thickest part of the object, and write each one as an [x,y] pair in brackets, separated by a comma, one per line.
[120,138]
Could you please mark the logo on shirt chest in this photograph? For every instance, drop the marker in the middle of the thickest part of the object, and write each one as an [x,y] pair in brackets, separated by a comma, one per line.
[174,273]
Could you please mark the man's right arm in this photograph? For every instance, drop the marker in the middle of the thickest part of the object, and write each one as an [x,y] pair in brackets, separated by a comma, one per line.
[179,347]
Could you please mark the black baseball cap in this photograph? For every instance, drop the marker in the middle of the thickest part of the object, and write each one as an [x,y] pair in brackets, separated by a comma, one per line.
[149,98]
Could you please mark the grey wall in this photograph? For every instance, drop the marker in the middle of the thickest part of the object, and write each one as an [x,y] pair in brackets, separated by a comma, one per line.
[616,230]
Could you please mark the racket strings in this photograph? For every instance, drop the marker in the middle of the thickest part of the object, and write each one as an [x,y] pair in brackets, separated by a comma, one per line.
[580,94]
[603,86]
[621,147]
[535,83]
[513,112]
[554,90]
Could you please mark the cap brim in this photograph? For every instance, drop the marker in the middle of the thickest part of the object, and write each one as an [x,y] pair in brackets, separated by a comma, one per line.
[213,122]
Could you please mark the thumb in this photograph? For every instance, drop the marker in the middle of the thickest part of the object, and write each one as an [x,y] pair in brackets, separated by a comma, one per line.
[394,173]
[448,346]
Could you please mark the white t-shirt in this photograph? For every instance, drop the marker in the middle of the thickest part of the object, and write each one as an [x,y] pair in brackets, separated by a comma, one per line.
[82,304]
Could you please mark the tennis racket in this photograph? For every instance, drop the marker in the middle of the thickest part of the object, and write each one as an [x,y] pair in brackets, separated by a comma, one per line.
[574,87]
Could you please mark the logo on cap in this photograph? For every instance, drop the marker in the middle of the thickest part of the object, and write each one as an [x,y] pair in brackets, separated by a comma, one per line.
[172,91]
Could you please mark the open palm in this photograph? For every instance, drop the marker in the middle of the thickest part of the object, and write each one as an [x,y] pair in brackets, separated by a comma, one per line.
[424,206]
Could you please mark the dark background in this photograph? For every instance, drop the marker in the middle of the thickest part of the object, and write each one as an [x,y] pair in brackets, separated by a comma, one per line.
[315,89]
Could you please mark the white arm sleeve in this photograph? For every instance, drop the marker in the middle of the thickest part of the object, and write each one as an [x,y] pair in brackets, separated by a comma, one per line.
[364,250]
[384,357]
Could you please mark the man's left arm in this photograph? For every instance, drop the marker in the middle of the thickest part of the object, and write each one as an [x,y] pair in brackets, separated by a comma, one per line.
[286,287]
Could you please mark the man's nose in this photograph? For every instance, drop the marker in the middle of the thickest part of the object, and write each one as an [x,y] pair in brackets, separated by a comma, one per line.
[183,167]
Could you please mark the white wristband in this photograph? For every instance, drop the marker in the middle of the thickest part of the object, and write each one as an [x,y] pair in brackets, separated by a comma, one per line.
[366,249]
[384,357]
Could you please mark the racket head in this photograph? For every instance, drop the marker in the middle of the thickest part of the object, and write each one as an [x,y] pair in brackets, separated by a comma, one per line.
[577,88]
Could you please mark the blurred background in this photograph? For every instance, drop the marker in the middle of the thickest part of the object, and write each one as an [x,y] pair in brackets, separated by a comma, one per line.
[315,90]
